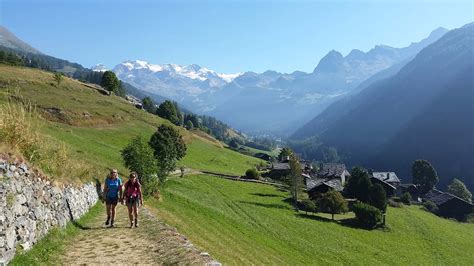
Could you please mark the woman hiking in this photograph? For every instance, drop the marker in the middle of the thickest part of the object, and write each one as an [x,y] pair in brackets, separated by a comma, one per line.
[112,194]
[133,195]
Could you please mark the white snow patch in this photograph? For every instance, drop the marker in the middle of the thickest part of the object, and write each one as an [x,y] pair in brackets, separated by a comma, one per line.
[229,77]
[99,68]
[194,72]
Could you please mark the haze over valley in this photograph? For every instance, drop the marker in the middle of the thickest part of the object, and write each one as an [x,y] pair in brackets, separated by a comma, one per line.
[236,132]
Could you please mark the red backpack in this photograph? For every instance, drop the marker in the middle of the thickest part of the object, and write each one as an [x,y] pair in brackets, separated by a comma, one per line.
[132,189]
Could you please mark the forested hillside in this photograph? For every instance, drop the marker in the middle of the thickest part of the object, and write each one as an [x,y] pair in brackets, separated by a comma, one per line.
[424,109]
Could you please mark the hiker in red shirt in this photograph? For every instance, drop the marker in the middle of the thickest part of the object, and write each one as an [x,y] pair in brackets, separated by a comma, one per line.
[132,196]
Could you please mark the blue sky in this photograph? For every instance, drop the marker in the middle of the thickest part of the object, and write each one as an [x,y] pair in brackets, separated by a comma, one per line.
[226,36]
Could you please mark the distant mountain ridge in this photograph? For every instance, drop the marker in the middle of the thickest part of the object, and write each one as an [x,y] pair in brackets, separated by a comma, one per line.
[10,43]
[9,40]
[99,68]
[269,102]
[423,111]
[290,100]
[184,84]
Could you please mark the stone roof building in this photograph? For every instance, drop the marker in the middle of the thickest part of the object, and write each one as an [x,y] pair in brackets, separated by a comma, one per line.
[388,177]
[448,204]
[389,181]
[330,176]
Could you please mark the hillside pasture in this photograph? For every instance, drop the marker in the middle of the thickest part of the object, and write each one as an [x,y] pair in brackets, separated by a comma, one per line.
[246,223]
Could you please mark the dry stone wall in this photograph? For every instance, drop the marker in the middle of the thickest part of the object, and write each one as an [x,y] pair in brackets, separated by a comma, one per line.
[30,206]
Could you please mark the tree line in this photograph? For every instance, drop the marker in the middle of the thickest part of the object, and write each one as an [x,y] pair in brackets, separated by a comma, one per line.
[170,110]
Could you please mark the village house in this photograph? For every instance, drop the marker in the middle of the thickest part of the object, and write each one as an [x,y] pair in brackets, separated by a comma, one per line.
[411,189]
[329,176]
[263,156]
[279,170]
[448,204]
[389,181]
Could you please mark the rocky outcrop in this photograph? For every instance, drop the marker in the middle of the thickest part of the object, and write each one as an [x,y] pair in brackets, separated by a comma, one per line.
[30,206]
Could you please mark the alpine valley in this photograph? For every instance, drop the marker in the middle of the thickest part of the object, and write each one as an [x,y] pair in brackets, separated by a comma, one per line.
[270,102]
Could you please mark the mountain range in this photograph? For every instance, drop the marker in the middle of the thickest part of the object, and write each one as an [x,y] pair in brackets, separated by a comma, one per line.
[381,109]
[269,102]
[424,111]
[9,40]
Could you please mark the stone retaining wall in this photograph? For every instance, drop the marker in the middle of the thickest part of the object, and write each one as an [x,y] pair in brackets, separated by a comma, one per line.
[30,206]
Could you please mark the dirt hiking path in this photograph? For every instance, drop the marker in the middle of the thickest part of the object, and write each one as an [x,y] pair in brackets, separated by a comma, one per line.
[151,243]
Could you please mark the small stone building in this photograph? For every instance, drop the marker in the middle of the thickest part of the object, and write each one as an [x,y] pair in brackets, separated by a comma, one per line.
[329,176]
[388,180]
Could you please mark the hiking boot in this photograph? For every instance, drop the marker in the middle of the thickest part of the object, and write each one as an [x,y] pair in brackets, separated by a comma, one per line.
[107,222]
[136,223]
[111,224]
[131,224]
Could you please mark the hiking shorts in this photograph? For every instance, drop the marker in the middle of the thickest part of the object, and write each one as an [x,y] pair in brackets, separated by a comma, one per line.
[111,201]
[132,201]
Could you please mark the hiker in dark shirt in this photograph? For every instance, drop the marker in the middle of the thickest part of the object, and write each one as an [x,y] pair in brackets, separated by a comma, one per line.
[112,194]
[133,196]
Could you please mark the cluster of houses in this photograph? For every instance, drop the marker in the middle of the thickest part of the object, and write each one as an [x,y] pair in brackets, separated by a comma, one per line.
[333,176]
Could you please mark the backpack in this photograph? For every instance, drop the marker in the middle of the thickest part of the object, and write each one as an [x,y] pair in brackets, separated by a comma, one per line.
[131,190]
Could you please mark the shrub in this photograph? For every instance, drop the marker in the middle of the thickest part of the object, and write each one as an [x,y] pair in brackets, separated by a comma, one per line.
[169,110]
[459,189]
[424,175]
[406,198]
[332,202]
[395,204]
[234,144]
[470,218]
[168,147]
[308,205]
[358,184]
[430,206]
[110,81]
[378,197]
[367,215]
[189,125]
[138,157]
[58,77]
[251,174]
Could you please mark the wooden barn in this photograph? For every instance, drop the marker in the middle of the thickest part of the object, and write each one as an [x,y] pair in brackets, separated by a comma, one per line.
[448,204]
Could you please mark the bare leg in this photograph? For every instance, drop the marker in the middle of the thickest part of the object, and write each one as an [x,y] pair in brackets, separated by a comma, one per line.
[108,207]
[135,212]
[113,212]
[130,215]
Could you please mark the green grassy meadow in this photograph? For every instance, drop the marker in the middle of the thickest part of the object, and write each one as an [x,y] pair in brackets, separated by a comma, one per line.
[202,156]
[236,222]
[245,223]
[96,127]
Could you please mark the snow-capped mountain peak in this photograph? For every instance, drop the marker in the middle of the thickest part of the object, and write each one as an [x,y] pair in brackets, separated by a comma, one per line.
[194,72]
[183,83]
[99,68]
